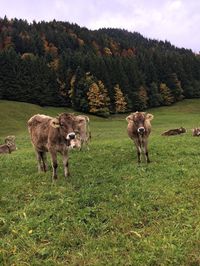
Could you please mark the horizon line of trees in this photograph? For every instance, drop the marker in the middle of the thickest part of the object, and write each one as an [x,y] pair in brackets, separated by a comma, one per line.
[101,72]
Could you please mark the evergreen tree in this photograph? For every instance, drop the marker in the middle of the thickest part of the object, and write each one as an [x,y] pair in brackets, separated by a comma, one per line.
[155,98]
[175,85]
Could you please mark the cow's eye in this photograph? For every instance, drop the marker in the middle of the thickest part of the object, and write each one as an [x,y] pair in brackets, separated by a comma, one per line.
[61,124]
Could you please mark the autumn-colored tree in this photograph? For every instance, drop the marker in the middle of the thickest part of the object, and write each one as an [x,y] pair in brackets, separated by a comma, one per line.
[98,99]
[28,56]
[50,48]
[167,97]
[120,101]
[107,51]
[62,87]
[54,64]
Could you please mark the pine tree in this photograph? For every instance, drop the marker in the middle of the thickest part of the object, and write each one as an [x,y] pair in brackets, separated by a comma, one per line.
[155,98]
[175,85]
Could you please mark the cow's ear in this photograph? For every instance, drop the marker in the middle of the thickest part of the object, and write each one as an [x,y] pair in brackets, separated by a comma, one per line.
[149,116]
[129,118]
[87,119]
[55,123]
[82,118]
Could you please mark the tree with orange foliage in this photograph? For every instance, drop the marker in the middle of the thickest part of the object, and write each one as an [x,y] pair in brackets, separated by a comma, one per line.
[167,97]
[98,99]
[120,101]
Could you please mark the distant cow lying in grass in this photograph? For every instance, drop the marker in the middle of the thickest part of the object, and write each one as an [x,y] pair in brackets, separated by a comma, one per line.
[9,145]
[196,132]
[172,132]
[139,128]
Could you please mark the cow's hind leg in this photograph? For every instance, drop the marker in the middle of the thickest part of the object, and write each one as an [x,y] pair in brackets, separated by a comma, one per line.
[39,160]
[44,161]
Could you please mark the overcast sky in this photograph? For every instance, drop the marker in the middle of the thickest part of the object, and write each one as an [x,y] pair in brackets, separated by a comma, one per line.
[177,21]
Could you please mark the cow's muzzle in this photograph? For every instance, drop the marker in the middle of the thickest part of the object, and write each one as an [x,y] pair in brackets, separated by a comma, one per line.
[71,135]
[141,130]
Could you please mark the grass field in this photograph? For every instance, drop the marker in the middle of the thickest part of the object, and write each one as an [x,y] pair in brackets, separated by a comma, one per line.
[110,211]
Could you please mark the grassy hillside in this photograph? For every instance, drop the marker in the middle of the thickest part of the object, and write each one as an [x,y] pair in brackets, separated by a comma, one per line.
[110,211]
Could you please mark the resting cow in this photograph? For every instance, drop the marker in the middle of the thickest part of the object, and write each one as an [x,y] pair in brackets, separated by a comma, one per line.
[196,132]
[139,128]
[172,132]
[53,135]
[9,145]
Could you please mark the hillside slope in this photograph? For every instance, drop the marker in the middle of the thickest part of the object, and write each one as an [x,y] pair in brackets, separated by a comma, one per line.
[110,211]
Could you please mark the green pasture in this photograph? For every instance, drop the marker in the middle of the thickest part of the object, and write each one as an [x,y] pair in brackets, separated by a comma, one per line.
[110,211]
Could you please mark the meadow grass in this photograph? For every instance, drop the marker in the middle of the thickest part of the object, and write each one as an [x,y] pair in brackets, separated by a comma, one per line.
[110,211]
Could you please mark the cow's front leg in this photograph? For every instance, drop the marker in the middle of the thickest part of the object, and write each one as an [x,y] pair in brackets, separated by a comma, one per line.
[146,152]
[139,150]
[139,154]
[54,164]
[66,164]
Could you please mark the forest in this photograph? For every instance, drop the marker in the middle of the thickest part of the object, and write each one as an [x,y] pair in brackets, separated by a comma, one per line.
[102,72]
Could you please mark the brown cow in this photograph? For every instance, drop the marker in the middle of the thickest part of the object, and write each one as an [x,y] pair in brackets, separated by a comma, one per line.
[196,132]
[52,135]
[9,145]
[83,129]
[139,128]
[172,132]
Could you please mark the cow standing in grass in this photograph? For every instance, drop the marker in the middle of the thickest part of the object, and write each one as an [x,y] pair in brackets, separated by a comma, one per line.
[83,129]
[52,135]
[139,128]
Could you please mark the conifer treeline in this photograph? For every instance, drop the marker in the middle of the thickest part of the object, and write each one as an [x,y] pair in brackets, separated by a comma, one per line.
[101,72]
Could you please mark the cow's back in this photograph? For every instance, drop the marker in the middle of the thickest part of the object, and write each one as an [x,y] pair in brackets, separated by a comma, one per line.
[39,126]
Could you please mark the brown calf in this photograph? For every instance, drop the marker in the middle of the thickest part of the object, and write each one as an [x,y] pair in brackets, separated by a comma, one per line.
[139,128]
[172,132]
[52,135]
[9,145]
[196,132]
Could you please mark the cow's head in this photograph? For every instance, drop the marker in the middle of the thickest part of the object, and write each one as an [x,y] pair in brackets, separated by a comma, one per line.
[66,124]
[140,120]
[182,130]
[10,142]
[196,131]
